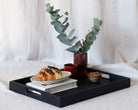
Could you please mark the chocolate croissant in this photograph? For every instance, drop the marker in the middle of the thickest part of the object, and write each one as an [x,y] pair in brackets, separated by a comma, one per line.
[48,73]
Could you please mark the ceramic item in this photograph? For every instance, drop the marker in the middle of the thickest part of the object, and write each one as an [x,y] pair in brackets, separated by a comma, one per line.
[73,68]
[65,75]
[94,76]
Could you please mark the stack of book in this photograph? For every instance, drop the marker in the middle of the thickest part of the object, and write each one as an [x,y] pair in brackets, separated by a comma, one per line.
[56,87]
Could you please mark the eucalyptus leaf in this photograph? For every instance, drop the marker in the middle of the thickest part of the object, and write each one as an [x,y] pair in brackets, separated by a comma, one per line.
[96,28]
[53,17]
[71,34]
[57,25]
[101,22]
[89,35]
[70,49]
[66,13]
[86,48]
[65,26]
[94,32]
[96,22]
[75,48]
[48,7]
[67,41]
[56,11]
[62,37]
[66,19]
[79,47]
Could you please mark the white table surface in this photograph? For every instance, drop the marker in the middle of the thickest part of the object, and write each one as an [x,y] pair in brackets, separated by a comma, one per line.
[126,99]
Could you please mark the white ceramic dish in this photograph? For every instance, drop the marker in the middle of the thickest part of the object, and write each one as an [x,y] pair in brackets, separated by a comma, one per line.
[65,75]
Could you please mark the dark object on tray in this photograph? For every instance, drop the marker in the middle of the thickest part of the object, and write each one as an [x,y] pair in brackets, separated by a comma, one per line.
[73,68]
[85,90]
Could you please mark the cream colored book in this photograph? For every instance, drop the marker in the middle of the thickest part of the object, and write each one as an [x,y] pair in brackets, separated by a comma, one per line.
[56,87]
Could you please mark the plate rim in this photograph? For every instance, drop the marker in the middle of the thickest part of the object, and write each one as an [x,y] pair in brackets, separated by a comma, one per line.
[52,81]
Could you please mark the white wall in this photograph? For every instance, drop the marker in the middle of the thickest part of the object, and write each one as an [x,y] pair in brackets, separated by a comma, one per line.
[26,32]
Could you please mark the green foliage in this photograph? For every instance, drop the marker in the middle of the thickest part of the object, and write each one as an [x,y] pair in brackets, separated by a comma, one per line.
[75,48]
[79,47]
[61,27]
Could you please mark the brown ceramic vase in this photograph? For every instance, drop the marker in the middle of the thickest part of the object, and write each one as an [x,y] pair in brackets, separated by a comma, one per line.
[81,61]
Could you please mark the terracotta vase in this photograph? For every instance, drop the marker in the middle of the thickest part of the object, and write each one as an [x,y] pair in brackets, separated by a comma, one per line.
[73,68]
[81,61]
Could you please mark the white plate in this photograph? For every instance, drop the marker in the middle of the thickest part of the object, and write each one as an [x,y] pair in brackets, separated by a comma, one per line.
[65,75]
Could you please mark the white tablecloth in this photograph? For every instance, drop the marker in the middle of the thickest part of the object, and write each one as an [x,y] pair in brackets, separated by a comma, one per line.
[126,99]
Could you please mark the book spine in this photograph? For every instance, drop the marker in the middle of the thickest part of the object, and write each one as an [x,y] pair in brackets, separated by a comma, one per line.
[62,88]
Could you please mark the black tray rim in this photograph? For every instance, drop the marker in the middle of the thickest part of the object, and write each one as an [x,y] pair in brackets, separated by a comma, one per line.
[59,101]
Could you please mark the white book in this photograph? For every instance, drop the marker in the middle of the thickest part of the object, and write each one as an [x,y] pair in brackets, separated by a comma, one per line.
[56,87]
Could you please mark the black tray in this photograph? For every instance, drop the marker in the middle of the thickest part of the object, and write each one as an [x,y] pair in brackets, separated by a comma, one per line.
[85,90]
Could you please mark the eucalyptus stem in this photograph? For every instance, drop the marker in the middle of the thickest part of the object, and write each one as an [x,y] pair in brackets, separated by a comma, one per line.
[79,47]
